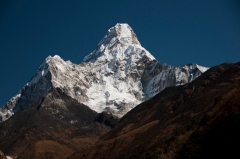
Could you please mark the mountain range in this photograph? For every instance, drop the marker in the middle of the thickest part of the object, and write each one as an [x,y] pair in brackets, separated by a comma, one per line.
[120,102]
[118,75]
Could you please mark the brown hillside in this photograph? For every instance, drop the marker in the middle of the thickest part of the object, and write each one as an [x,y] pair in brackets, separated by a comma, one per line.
[56,117]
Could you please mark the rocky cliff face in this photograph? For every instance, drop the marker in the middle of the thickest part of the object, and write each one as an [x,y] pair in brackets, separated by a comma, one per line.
[118,75]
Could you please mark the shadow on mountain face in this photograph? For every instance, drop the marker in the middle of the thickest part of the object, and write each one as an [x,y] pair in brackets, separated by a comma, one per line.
[56,117]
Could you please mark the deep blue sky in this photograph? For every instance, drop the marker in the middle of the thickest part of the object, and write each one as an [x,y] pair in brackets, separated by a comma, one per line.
[177,32]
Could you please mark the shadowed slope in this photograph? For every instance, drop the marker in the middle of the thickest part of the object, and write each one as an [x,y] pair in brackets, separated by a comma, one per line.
[56,117]
[47,149]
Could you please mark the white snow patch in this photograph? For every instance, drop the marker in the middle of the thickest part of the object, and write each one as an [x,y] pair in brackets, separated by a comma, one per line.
[202,68]
[125,32]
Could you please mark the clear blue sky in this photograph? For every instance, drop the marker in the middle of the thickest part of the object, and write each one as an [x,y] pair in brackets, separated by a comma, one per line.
[206,32]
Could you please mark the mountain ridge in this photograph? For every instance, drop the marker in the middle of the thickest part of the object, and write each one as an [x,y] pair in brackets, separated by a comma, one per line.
[56,117]
[114,78]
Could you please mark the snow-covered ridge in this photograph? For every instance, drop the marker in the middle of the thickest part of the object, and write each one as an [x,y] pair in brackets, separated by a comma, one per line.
[202,68]
[118,75]
[120,34]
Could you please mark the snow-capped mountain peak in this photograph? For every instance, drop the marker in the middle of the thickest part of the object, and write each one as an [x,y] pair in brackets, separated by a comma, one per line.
[118,75]
[121,36]
[121,32]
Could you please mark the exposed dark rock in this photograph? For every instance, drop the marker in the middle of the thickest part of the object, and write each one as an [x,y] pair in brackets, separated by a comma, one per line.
[107,119]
